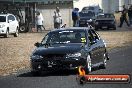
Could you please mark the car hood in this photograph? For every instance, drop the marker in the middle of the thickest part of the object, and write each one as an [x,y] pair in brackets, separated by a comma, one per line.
[58,49]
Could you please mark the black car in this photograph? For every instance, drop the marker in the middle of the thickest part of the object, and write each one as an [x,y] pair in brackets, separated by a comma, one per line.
[69,48]
[105,21]
[86,18]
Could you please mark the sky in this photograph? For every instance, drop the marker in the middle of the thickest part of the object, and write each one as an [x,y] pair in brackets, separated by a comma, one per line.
[81,3]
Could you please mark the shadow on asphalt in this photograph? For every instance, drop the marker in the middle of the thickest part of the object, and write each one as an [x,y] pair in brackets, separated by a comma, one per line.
[53,73]
[105,30]
[50,73]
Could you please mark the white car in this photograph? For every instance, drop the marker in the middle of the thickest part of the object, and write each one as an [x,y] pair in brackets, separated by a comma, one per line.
[8,25]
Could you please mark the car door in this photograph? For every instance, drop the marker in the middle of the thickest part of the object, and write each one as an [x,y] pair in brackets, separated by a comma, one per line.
[15,23]
[11,21]
[100,46]
[94,47]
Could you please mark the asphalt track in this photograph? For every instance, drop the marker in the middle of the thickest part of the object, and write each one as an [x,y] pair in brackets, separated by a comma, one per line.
[120,63]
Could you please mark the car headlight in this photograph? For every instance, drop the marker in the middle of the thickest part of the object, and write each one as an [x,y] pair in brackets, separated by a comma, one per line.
[112,22]
[90,20]
[73,55]
[1,26]
[36,57]
[96,23]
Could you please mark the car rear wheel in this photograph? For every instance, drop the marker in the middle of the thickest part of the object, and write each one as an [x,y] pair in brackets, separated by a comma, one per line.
[22,29]
[16,33]
[88,66]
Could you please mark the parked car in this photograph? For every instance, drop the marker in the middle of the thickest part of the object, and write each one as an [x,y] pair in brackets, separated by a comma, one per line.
[105,21]
[93,8]
[8,25]
[69,48]
[86,18]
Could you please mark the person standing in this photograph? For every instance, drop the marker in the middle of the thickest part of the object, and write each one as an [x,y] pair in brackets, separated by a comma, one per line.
[130,14]
[39,21]
[78,17]
[75,17]
[124,17]
[57,18]
[42,20]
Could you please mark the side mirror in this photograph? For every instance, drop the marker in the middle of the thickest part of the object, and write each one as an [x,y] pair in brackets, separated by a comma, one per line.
[9,21]
[37,44]
[89,20]
[93,42]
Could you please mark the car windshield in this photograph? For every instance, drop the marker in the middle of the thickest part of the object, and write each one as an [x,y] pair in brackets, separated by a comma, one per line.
[88,8]
[87,14]
[61,37]
[2,18]
[106,16]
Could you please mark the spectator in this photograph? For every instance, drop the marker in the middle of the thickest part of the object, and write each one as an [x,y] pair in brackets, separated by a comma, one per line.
[39,21]
[78,17]
[75,17]
[130,14]
[57,18]
[123,17]
[42,21]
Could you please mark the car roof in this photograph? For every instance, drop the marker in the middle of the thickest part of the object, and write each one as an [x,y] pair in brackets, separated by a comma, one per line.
[70,29]
[95,6]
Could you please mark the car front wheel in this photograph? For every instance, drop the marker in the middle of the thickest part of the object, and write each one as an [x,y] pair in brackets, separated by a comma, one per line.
[103,66]
[88,66]
[16,33]
[7,34]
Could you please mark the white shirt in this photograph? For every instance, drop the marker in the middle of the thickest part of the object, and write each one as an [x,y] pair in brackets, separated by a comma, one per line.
[57,17]
[39,19]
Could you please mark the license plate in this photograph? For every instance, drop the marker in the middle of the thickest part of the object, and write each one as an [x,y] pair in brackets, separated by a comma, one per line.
[82,22]
[104,27]
[51,63]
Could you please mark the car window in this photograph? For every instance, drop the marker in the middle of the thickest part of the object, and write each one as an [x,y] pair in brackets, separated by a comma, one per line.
[87,14]
[11,17]
[45,39]
[66,37]
[92,36]
[91,8]
[2,18]
[88,8]
[109,16]
[96,37]
[106,16]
